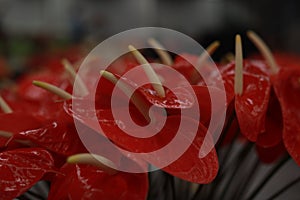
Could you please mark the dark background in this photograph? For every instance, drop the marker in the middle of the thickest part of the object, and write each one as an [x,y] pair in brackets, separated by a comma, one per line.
[205,20]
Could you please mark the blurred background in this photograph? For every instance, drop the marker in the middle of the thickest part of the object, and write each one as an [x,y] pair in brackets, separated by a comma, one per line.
[36,33]
[33,26]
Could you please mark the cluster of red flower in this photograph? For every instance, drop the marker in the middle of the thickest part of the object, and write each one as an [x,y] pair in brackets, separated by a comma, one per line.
[39,140]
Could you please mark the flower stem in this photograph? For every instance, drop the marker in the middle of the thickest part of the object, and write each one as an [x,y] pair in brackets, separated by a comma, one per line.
[242,157]
[285,188]
[225,130]
[223,162]
[81,87]
[268,177]
[161,51]
[264,50]
[242,187]
[153,77]
[4,106]
[198,192]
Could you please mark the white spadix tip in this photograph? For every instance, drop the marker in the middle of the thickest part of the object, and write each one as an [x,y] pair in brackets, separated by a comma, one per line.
[160,50]
[213,47]
[9,136]
[4,106]
[109,76]
[153,78]
[81,88]
[6,134]
[69,68]
[53,89]
[238,77]
[207,53]
[139,103]
[95,160]
[264,50]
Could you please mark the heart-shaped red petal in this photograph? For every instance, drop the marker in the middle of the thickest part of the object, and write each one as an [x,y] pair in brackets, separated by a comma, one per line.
[287,87]
[21,169]
[88,182]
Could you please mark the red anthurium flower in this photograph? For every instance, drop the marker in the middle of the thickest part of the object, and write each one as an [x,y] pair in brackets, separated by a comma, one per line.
[274,124]
[251,106]
[57,135]
[257,109]
[185,64]
[23,121]
[146,94]
[21,169]
[189,166]
[190,160]
[188,64]
[270,118]
[287,60]
[123,64]
[287,87]
[178,96]
[284,60]
[204,94]
[29,92]
[284,72]
[14,123]
[88,182]
[41,122]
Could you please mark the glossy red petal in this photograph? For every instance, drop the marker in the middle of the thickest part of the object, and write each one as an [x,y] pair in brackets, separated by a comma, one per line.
[21,169]
[287,88]
[187,65]
[283,59]
[189,166]
[55,136]
[272,135]
[177,96]
[27,91]
[123,64]
[17,122]
[251,106]
[193,168]
[204,94]
[88,182]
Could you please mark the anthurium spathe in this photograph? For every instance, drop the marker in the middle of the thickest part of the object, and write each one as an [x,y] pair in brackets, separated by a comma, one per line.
[21,169]
[80,181]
